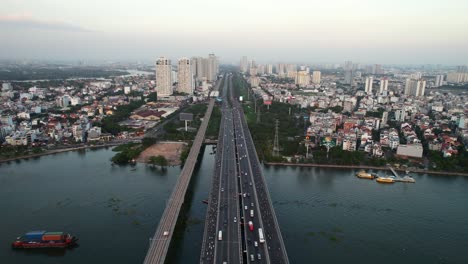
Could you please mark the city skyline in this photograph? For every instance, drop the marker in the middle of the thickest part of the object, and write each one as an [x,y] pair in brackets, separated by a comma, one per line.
[389,33]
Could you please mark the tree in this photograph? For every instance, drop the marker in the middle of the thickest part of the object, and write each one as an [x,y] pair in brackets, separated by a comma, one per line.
[152,97]
[158,161]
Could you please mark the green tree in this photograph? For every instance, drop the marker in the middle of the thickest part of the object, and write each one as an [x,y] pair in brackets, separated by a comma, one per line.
[158,161]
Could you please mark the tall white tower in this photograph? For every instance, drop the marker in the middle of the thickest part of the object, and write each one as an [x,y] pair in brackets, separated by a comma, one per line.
[185,76]
[316,77]
[383,85]
[368,87]
[163,77]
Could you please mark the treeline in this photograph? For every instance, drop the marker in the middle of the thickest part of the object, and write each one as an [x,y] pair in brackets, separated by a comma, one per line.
[32,73]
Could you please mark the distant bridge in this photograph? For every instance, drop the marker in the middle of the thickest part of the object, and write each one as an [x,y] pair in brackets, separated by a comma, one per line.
[162,238]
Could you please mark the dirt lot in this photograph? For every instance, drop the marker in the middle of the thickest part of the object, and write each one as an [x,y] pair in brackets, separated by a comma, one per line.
[170,150]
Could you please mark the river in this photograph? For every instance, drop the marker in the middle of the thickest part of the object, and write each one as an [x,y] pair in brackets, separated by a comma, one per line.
[326,215]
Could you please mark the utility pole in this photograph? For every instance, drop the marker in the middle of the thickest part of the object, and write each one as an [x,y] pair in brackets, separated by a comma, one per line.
[276,142]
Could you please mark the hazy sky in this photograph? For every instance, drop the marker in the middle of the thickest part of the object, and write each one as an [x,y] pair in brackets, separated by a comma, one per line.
[367,31]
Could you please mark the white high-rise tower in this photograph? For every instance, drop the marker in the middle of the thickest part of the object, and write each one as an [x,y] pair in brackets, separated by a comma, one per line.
[163,77]
[368,87]
[316,77]
[383,85]
[185,76]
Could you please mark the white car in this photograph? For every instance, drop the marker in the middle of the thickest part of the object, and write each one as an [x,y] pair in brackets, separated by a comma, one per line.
[235,219]
[255,243]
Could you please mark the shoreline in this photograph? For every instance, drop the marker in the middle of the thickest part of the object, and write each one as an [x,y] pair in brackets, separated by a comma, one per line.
[361,167]
[61,151]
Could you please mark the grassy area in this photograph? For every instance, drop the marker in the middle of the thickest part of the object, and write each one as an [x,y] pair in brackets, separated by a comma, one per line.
[173,131]
[214,124]
[291,126]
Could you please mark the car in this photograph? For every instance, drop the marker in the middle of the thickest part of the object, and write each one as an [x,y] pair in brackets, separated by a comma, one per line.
[251,204]
[259,256]
[222,189]
[235,219]
[252,258]
[255,243]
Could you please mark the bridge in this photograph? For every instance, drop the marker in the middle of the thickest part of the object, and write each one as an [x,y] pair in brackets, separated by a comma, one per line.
[161,240]
[241,225]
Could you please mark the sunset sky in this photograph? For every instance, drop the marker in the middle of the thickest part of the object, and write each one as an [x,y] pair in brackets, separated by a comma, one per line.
[398,31]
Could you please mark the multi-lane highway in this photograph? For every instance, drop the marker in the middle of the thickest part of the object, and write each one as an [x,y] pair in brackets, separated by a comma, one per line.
[239,201]
[222,230]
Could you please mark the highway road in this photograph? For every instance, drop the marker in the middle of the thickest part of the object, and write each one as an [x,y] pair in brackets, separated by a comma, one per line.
[257,198]
[239,190]
[222,230]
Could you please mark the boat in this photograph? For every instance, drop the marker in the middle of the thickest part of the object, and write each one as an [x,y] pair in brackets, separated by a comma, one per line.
[386,179]
[205,201]
[43,239]
[408,179]
[364,175]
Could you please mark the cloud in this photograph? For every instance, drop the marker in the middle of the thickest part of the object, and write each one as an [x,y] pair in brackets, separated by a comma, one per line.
[29,22]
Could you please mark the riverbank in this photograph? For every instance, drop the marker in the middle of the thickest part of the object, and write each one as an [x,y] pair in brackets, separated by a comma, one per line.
[55,151]
[361,167]
[168,149]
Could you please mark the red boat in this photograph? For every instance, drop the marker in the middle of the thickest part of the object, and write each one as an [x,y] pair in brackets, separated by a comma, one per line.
[43,239]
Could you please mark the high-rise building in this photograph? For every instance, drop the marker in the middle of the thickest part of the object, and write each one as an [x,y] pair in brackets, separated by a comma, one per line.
[163,77]
[348,66]
[207,68]
[261,69]
[462,69]
[368,86]
[302,78]
[269,69]
[415,87]
[316,77]
[377,69]
[253,71]
[184,76]
[281,69]
[244,63]
[348,77]
[383,85]
[213,68]
[439,81]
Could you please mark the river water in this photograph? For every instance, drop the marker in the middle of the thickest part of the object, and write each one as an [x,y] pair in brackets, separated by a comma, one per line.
[326,215]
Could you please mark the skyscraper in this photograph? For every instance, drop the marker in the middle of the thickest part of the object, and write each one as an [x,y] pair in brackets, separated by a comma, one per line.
[213,66]
[302,78]
[316,77]
[383,85]
[368,87]
[415,87]
[244,63]
[163,77]
[269,69]
[348,72]
[439,81]
[184,76]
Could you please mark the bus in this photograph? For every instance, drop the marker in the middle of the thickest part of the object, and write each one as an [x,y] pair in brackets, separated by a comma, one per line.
[260,235]
[220,235]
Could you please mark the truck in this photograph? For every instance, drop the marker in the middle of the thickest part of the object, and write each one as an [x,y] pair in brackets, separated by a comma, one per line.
[220,235]
[260,236]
